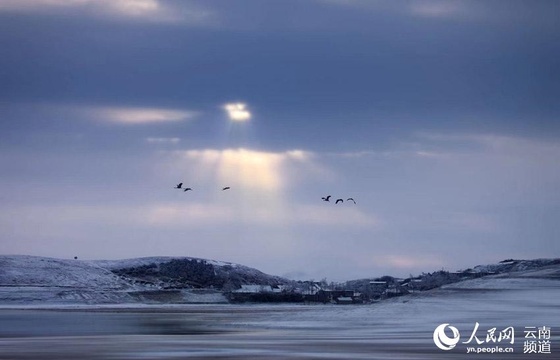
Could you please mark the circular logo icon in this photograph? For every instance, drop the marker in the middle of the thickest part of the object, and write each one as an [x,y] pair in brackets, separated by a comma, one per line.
[443,341]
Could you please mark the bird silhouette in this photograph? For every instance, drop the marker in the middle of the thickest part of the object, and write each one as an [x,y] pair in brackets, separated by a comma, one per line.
[326,198]
[350,199]
[178,186]
[187,189]
[339,200]
[226,188]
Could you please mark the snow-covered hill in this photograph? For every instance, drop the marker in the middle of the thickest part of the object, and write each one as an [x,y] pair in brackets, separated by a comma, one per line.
[31,280]
[39,280]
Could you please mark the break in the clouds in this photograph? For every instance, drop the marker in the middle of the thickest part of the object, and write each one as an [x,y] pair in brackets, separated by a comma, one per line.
[247,168]
[237,112]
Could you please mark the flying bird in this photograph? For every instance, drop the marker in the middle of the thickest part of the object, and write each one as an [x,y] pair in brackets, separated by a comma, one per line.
[339,200]
[226,188]
[178,186]
[326,198]
[350,199]
[187,189]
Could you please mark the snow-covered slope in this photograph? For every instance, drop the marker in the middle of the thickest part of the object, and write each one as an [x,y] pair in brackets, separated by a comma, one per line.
[22,270]
[32,279]
[511,266]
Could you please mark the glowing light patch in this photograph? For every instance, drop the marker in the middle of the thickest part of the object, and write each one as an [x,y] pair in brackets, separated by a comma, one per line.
[142,115]
[246,168]
[237,112]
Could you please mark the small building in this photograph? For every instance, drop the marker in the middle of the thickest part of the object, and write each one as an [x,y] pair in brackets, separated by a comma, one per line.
[344,300]
[311,288]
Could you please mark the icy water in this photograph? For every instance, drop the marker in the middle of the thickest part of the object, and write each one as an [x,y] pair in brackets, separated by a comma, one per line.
[400,328]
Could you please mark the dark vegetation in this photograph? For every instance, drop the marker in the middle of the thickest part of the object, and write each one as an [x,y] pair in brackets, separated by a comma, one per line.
[196,274]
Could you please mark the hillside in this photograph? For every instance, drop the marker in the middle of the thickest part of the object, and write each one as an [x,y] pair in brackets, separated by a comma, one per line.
[32,279]
[167,280]
[388,286]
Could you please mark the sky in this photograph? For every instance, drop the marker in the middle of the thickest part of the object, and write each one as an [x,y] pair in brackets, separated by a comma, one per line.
[441,119]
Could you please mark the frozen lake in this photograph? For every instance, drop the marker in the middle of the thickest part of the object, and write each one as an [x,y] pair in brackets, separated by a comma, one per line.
[399,328]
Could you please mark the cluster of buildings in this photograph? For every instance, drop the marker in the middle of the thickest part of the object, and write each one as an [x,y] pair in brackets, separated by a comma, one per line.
[316,292]
[352,292]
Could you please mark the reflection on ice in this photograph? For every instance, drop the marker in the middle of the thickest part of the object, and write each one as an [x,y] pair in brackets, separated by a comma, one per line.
[398,328]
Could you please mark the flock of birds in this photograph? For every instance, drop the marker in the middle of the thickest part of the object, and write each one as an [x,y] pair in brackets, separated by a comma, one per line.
[180,186]
[326,198]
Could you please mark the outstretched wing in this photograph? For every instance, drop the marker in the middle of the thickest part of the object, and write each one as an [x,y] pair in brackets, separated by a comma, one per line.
[339,200]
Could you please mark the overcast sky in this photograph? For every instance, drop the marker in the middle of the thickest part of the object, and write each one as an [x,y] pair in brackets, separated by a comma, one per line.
[440,118]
